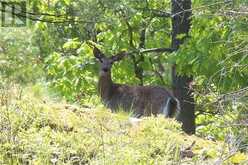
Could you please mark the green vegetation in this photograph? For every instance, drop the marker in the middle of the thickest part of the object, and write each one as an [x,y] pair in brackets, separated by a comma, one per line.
[19,58]
[50,112]
[38,130]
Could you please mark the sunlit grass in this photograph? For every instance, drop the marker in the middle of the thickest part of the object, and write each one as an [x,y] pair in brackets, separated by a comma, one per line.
[38,129]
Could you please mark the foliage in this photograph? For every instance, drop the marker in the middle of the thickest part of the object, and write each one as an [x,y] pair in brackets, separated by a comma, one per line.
[42,131]
[71,75]
[64,43]
[19,58]
[216,49]
[215,53]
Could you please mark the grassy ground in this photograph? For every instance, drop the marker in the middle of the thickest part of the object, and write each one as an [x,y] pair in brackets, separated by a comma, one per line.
[36,129]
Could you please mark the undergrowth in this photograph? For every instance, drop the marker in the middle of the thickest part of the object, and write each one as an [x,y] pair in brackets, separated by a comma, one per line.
[37,129]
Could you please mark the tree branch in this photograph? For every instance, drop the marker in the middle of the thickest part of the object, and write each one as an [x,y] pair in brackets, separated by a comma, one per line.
[31,17]
[150,50]
[234,95]
[160,13]
[156,12]
[34,14]
[157,50]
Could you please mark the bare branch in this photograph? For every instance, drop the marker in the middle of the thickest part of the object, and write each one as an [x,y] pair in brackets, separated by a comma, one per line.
[201,7]
[236,94]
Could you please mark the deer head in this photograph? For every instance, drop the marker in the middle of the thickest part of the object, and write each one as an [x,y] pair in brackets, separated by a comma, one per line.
[107,62]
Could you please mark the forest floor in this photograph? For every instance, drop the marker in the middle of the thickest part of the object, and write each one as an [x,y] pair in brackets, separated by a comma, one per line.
[38,129]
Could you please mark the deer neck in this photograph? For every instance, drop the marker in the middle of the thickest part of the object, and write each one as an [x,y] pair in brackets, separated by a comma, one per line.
[105,86]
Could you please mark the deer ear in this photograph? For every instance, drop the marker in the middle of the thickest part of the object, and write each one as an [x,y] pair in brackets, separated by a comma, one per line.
[119,56]
[97,53]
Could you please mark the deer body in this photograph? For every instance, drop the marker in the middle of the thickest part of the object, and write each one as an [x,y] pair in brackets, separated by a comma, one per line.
[142,100]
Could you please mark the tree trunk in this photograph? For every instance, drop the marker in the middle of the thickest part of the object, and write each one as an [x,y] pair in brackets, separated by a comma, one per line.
[181,13]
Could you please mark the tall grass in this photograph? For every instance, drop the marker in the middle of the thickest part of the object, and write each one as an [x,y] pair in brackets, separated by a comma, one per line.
[36,129]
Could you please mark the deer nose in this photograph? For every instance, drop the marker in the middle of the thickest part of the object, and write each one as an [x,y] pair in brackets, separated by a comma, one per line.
[105,69]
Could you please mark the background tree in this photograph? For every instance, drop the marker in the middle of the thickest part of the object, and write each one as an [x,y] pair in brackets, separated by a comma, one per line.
[181,22]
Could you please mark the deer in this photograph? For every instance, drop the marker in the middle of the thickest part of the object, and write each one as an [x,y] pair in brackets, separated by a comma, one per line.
[139,100]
